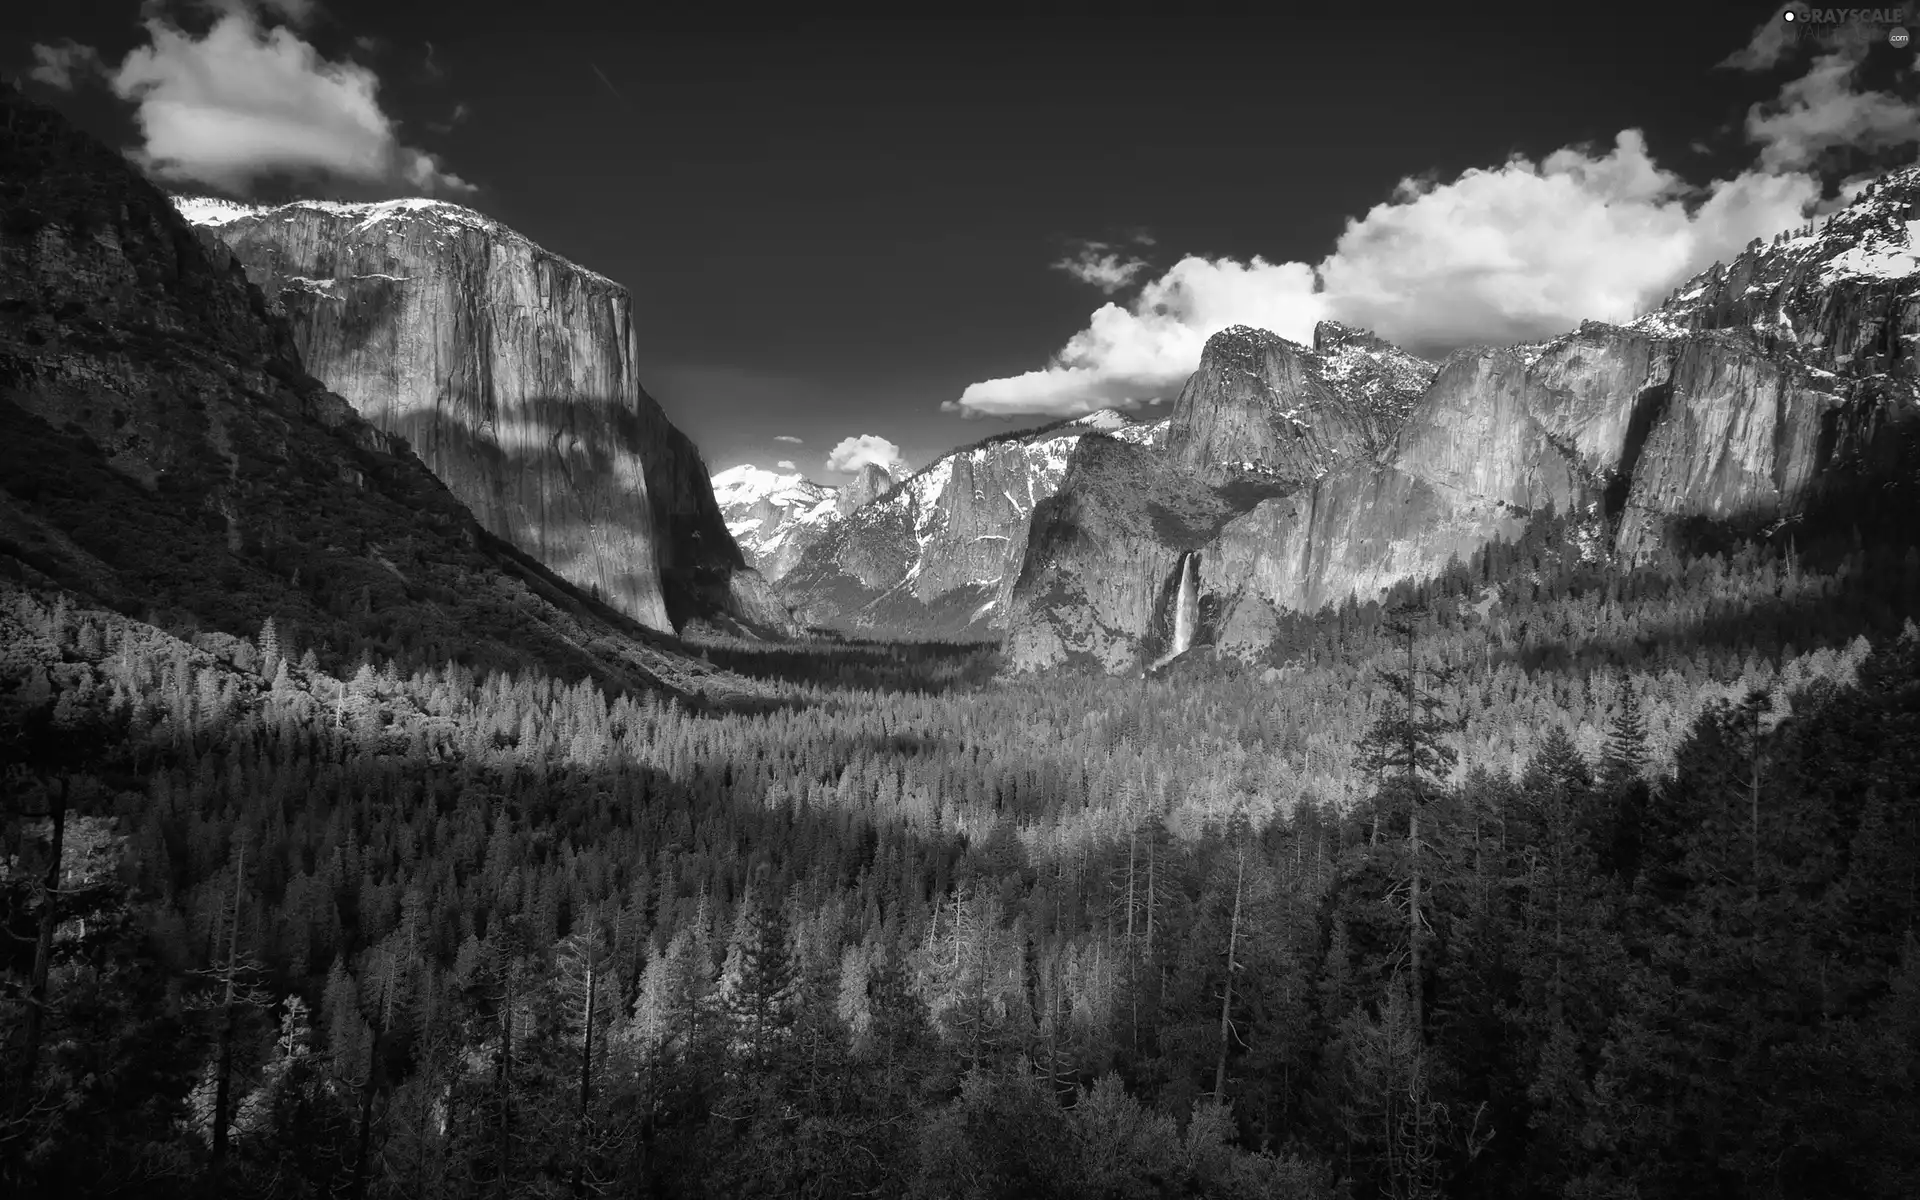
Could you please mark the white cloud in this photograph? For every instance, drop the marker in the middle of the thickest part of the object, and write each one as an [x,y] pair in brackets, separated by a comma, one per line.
[785,437]
[65,65]
[786,464]
[243,101]
[1131,354]
[854,452]
[1821,111]
[1525,251]
[1518,252]
[1099,264]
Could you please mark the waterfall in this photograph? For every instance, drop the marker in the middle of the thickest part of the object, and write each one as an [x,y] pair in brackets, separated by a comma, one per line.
[1186,604]
[1183,609]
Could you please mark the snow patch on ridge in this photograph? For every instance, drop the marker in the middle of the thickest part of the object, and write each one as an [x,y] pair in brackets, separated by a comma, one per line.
[748,484]
[1878,255]
[211,210]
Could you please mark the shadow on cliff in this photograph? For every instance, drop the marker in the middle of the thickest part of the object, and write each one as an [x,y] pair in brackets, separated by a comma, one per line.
[561,472]
[1723,594]
[1860,536]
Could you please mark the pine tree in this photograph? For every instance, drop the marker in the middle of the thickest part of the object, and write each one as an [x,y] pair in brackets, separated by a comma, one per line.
[758,985]
[1405,753]
[1625,755]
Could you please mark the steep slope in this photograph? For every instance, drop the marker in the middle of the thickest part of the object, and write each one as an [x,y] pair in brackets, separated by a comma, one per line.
[774,517]
[163,452]
[937,555]
[1735,405]
[511,371]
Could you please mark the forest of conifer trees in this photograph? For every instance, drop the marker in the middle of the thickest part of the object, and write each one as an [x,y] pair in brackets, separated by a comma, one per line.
[1545,878]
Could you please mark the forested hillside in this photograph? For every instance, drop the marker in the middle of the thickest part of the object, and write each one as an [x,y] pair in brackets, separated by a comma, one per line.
[1612,894]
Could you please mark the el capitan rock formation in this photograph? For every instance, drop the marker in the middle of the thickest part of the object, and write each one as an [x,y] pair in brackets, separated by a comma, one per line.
[166,454]
[511,371]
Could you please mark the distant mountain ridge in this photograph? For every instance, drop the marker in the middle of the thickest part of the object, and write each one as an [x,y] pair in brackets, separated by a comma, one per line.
[774,517]
[1760,385]
[937,553]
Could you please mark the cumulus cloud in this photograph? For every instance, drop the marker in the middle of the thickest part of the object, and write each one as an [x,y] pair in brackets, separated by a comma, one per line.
[855,452]
[1102,266]
[1138,352]
[66,65]
[1518,252]
[786,437]
[242,101]
[1525,251]
[786,464]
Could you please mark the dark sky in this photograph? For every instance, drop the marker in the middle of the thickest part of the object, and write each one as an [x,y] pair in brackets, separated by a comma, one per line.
[830,227]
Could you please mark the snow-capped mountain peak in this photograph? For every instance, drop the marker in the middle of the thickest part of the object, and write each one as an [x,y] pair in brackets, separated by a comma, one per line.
[748,484]
[774,516]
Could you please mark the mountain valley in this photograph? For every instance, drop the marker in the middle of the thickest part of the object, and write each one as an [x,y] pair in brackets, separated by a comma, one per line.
[1339,774]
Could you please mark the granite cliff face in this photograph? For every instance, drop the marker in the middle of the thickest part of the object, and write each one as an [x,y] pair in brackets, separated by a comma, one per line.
[1260,406]
[511,372]
[938,553]
[774,517]
[163,451]
[1100,577]
[1734,404]
[868,484]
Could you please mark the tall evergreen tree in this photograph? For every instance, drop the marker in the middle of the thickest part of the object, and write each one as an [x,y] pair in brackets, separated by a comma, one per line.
[759,985]
[1406,753]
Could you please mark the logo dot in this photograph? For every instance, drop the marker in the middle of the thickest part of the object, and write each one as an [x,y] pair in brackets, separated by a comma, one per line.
[1789,16]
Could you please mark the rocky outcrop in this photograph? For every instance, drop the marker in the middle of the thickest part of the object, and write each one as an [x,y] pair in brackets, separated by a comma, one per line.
[511,372]
[1100,580]
[165,453]
[1738,437]
[1756,387]
[868,484]
[937,554]
[1262,406]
